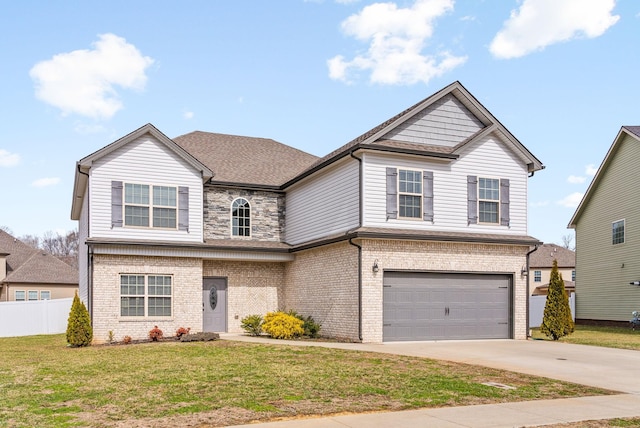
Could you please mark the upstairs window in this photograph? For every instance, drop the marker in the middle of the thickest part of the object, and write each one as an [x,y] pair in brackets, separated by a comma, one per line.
[537,276]
[573,275]
[409,194]
[618,232]
[141,209]
[488,200]
[240,218]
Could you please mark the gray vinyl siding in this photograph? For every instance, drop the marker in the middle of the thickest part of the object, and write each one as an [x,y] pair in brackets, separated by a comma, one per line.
[486,158]
[143,161]
[83,271]
[446,122]
[324,204]
[604,270]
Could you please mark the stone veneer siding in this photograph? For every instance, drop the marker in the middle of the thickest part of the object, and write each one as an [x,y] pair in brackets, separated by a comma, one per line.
[252,288]
[438,256]
[267,213]
[323,283]
[186,295]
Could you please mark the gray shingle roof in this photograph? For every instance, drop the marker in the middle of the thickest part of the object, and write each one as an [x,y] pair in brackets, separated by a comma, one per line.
[26,264]
[246,160]
[545,254]
[633,129]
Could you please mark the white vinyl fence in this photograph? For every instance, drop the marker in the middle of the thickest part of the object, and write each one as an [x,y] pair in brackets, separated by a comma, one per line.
[30,318]
[536,309]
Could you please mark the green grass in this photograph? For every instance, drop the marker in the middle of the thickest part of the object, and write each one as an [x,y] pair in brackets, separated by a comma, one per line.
[610,337]
[44,383]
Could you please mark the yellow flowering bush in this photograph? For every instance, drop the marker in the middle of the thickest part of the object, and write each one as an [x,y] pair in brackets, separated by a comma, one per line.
[281,325]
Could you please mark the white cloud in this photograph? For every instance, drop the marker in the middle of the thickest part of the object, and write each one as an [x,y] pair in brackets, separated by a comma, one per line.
[591,170]
[347,1]
[397,38]
[572,200]
[85,129]
[9,159]
[188,115]
[540,23]
[468,18]
[539,204]
[46,182]
[574,179]
[84,81]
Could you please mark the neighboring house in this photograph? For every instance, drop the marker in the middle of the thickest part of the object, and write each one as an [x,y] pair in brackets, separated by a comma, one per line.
[27,273]
[607,235]
[416,230]
[541,262]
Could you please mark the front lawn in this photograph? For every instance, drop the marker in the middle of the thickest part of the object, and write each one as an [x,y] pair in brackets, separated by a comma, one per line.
[610,337]
[44,383]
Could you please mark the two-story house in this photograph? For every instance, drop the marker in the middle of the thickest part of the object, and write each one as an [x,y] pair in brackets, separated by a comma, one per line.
[416,230]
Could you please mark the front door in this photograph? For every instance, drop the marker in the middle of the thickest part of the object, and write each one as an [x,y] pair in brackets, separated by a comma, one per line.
[214,305]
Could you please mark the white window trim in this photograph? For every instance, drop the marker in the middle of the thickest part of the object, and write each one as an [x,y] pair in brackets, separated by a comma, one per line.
[487,177]
[534,275]
[24,294]
[146,297]
[624,228]
[231,219]
[421,194]
[29,293]
[45,291]
[150,205]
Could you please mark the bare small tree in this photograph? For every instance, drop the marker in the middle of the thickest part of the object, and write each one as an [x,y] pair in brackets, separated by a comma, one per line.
[567,242]
[6,229]
[64,247]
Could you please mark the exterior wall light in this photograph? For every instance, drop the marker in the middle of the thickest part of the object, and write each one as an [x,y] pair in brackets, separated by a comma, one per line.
[634,283]
[375,267]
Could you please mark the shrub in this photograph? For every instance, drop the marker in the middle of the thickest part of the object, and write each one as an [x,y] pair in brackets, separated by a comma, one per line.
[557,321]
[111,336]
[79,330]
[281,325]
[126,340]
[310,326]
[182,331]
[155,333]
[252,324]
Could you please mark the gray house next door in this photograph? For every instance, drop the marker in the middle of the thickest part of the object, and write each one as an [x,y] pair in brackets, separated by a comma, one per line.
[214,304]
[445,306]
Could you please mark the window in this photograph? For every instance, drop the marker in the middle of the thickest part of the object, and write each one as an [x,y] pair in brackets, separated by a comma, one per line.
[45,295]
[573,275]
[409,194]
[33,295]
[145,295]
[537,276]
[488,200]
[618,232]
[240,218]
[20,295]
[139,204]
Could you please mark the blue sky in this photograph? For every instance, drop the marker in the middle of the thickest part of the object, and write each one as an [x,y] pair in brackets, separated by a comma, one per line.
[561,75]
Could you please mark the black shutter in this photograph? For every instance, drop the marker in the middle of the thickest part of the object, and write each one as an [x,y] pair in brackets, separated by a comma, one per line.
[472,199]
[504,202]
[183,208]
[427,195]
[392,193]
[116,204]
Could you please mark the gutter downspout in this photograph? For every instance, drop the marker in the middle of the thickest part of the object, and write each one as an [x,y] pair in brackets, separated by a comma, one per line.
[360,205]
[528,285]
[89,253]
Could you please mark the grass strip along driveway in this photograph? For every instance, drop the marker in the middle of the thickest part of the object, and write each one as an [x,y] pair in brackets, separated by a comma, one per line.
[44,383]
[610,337]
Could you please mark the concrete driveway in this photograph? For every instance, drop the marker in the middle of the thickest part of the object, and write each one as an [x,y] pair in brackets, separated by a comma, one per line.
[614,369]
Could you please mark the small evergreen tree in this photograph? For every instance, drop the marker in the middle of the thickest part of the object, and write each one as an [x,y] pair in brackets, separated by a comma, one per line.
[79,330]
[557,321]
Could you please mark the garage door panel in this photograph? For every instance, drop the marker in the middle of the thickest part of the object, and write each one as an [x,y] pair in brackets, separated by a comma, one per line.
[437,306]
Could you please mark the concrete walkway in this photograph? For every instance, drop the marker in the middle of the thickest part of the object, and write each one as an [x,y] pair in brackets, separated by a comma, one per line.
[613,369]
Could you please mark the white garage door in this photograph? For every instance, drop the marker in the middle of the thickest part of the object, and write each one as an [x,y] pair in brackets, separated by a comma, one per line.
[446,306]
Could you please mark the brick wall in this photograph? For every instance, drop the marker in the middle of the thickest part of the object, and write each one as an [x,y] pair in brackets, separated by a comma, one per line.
[323,283]
[267,213]
[252,288]
[186,300]
[437,256]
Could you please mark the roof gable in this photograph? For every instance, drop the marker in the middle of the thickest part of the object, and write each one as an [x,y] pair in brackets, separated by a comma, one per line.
[84,165]
[474,119]
[625,131]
